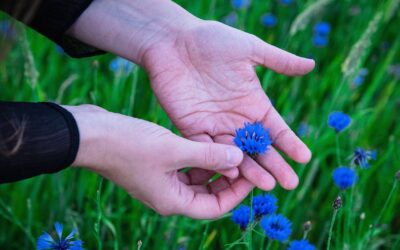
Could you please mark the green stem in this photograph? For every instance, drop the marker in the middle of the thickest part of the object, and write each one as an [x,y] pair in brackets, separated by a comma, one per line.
[338,150]
[331,229]
[269,245]
[203,240]
[99,215]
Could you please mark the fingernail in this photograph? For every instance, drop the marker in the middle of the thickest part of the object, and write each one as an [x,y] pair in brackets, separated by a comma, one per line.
[234,156]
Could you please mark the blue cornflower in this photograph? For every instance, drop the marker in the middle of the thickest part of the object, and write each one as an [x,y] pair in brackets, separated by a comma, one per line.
[344,177]
[241,216]
[46,242]
[360,77]
[276,227]
[300,245]
[230,19]
[253,138]
[268,20]
[264,204]
[361,157]
[286,2]
[303,129]
[320,41]
[121,65]
[322,29]
[338,120]
[240,4]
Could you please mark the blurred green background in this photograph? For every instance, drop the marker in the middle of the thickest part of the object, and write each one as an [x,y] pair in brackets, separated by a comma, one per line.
[363,35]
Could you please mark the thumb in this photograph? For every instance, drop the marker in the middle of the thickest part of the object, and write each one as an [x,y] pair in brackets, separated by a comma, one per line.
[210,156]
[279,60]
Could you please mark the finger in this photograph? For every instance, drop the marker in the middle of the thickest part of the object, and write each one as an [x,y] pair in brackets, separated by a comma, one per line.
[219,185]
[211,206]
[210,156]
[279,60]
[250,169]
[279,168]
[284,139]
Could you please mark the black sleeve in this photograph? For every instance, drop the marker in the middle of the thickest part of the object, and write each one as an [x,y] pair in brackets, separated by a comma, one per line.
[52,18]
[35,138]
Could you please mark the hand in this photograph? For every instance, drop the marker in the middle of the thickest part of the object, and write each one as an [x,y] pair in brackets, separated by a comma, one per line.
[205,80]
[144,159]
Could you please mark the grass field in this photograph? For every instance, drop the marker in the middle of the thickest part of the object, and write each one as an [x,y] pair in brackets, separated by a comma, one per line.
[364,35]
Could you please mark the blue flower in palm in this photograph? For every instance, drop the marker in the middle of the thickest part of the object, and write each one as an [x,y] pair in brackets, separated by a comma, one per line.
[276,227]
[240,4]
[253,139]
[344,177]
[264,204]
[242,216]
[362,157]
[300,245]
[338,120]
[46,242]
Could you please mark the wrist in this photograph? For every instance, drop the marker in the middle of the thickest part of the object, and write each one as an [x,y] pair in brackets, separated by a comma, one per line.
[129,28]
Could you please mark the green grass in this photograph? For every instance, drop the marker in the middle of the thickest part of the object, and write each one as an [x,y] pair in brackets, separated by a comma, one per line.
[107,218]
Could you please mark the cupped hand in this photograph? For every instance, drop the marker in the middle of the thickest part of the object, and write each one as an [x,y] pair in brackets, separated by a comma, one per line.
[204,78]
[145,159]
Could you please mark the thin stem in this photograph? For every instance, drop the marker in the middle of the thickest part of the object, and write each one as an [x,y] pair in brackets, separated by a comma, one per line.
[305,235]
[99,215]
[372,229]
[269,245]
[249,237]
[331,229]
[338,150]
[204,236]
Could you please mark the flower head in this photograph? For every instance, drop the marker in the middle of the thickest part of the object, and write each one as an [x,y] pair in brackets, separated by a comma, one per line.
[337,203]
[121,65]
[286,2]
[240,4]
[268,20]
[320,41]
[241,216]
[46,242]
[230,19]
[264,204]
[303,129]
[253,139]
[300,245]
[361,157]
[344,177]
[276,227]
[322,28]
[338,120]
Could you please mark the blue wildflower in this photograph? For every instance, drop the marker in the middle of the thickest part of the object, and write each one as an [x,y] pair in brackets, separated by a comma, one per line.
[7,29]
[241,216]
[344,177]
[230,19]
[240,4]
[276,227]
[361,157]
[338,120]
[286,2]
[268,20]
[320,41]
[303,129]
[46,242]
[253,139]
[360,77]
[121,65]
[300,245]
[264,204]
[322,29]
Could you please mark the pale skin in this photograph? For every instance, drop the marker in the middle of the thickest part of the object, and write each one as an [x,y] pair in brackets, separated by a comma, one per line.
[202,73]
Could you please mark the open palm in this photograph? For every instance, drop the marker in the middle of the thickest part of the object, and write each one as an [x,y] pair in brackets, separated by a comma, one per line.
[205,80]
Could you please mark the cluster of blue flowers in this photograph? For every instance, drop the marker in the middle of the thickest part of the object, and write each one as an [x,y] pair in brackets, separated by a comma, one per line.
[360,77]
[345,177]
[275,226]
[47,242]
[321,34]
[253,139]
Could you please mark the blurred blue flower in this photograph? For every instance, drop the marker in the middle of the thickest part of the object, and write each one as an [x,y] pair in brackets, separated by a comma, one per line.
[300,245]
[303,129]
[264,204]
[241,216]
[322,29]
[46,242]
[60,50]
[7,29]
[121,65]
[276,227]
[320,41]
[240,4]
[338,120]
[362,157]
[360,77]
[344,177]
[286,2]
[230,19]
[268,20]
[253,138]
